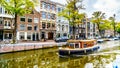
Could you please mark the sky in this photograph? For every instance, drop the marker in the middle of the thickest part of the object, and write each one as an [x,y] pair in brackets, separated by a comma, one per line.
[109,7]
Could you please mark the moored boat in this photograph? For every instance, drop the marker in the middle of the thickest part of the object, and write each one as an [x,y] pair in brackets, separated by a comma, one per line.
[79,47]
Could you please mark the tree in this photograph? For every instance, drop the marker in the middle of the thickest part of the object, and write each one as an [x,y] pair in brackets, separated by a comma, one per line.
[118,28]
[71,13]
[113,24]
[105,25]
[18,7]
[98,18]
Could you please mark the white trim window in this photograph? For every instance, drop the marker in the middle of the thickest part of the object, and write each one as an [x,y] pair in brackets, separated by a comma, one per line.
[29,36]
[22,36]
[29,27]
[22,26]
[36,20]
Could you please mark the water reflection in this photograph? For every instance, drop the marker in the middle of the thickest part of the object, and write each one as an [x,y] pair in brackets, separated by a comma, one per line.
[48,58]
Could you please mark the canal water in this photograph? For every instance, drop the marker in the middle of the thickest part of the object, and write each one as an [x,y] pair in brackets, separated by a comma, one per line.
[107,57]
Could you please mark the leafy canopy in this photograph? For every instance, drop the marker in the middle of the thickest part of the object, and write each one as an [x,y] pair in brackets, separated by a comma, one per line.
[118,27]
[19,7]
[71,13]
[98,17]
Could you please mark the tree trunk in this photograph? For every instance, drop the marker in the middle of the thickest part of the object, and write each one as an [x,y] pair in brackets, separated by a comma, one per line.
[15,29]
[114,29]
[99,31]
[73,30]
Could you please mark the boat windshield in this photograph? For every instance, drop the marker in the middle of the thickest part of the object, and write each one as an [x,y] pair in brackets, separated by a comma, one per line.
[85,45]
[76,45]
[71,45]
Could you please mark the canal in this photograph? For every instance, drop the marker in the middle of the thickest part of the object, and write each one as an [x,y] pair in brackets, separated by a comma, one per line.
[107,57]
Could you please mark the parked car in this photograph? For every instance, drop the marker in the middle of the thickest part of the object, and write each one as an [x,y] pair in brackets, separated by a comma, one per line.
[61,39]
[115,38]
[58,39]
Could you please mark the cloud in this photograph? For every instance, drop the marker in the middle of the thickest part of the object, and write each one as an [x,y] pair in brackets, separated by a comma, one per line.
[109,7]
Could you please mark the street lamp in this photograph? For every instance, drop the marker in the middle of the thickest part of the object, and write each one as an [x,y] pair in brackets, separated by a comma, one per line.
[114,25]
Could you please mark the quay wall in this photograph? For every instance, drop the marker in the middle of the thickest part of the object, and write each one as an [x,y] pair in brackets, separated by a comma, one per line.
[6,48]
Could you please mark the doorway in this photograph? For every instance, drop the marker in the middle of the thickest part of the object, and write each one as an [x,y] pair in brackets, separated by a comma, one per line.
[1,35]
[50,35]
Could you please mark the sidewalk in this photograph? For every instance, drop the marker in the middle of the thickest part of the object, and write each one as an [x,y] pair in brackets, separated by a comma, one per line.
[4,48]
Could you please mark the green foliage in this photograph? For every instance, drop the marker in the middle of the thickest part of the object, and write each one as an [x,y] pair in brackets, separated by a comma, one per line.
[118,27]
[98,19]
[71,13]
[19,7]
[105,25]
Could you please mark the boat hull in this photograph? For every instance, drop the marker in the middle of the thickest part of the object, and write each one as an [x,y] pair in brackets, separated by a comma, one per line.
[75,52]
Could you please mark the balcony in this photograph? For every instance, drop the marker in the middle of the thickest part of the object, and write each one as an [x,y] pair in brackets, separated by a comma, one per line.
[6,15]
[8,27]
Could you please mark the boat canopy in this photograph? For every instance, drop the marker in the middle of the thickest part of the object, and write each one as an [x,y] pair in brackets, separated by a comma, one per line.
[78,41]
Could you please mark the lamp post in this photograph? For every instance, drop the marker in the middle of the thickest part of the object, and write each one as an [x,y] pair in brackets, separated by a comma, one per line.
[114,25]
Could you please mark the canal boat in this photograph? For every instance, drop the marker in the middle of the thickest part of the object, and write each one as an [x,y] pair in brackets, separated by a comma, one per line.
[79,47]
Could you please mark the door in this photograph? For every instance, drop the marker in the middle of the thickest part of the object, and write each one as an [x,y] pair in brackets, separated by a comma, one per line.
[1,35]
[33,37]
[50,35]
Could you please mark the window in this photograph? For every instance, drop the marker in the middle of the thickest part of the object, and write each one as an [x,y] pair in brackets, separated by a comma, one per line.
[36,20]
[43,15]
[53,16]
[59,20]
[42,35]
[53,7]
[66,27]
[21,35]
[53,25]
[43,5]
[85,45]
[29,19]
[58,35]
[5,23]
[48,25]
[71,45]
[29,36]
[48,6]
[76,45]
[59,27]
[6,11]
[59,9]
[62,27]
[43,25]
[9,23]
[1,21]
[65,34]
[6,36]
[29,27]
[35,27]
[0,9]
[22,27]
[49,16]
[22,19]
